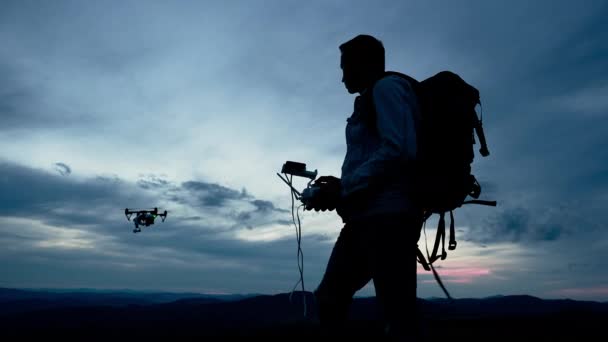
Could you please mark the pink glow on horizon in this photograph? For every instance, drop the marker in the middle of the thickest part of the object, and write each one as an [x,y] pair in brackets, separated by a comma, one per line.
[462,275]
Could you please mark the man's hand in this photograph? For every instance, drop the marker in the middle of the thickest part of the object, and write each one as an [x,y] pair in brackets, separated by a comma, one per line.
[329,194]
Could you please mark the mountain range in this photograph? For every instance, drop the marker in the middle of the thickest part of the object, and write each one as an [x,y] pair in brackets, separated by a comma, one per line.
[115,315]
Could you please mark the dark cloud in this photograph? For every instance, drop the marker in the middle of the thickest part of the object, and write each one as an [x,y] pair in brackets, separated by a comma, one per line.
[21,103]
[195,253]
[260,215]
[540,222]
[78,225]
[263,205]
[63,169]
[284,222]
[99,202]
[192,218]
[109,179]
[28,103]
[38,194]
[30,192]
[511,224]
[153,182]
[518,223]
[213,195]
[267,206]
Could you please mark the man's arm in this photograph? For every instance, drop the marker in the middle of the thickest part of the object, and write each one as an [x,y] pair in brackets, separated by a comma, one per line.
[395,104]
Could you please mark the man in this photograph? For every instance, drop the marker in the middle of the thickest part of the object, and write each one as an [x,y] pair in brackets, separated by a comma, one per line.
[373,196]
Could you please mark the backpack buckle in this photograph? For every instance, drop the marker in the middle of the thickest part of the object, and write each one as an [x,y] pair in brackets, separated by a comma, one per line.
[452,245]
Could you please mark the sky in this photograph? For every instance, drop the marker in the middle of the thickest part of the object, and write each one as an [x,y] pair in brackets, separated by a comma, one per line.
[193,107]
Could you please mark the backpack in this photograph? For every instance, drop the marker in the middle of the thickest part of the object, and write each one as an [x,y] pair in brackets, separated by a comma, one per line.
[445,133]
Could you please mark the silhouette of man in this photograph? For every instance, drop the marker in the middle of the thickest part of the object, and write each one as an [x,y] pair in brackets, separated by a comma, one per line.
[373,196]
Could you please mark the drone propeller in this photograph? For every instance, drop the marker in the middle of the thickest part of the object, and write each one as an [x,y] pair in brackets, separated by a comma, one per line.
[154,211]
[128,214]
[132,211]
[163,216]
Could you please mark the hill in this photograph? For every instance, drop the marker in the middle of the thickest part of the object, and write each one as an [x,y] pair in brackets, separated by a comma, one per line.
[108,316]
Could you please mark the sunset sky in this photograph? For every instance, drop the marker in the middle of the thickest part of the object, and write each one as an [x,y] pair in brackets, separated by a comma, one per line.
[193,107]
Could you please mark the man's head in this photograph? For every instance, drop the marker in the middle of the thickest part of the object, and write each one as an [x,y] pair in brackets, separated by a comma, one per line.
[362,62]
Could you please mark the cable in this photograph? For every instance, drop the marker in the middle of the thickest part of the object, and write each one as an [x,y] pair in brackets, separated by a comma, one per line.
[301,258]
[295,215]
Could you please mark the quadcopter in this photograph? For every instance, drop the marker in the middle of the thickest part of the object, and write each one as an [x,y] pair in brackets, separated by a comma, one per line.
[144,217]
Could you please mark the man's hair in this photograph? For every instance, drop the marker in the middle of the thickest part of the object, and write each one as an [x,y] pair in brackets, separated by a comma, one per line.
[365,50]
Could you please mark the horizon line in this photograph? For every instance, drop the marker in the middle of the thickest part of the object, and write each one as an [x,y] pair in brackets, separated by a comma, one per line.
[254,294]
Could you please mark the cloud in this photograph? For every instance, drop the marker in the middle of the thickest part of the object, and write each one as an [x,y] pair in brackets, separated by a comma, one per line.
[68,224]
[260,213]
[213,195]
[591,101]
[21,101]
[516,224]
[63,169]
[36,193]
[32,192]
[537,214]
[520,224]
[152,182]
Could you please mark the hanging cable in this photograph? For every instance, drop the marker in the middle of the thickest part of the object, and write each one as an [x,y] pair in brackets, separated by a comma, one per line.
[295,215]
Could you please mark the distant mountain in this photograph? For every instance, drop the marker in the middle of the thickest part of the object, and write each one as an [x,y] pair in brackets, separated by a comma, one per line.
[27,314]
[18,300]
[518,305]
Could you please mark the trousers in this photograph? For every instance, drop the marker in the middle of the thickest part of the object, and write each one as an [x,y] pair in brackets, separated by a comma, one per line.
[382,249]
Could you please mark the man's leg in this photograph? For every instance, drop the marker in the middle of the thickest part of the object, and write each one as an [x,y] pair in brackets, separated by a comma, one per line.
[394,263]
[346,273]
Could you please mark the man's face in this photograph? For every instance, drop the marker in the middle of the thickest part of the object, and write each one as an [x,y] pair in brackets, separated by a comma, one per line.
[351,75]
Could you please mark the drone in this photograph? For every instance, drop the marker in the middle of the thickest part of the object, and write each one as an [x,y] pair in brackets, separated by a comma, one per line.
[144,217]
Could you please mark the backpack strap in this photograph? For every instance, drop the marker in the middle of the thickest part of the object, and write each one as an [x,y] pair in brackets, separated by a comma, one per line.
[428,265]
[368,97]
[452,245]
[422,259]
[478,125]
[440,236]
[481,202]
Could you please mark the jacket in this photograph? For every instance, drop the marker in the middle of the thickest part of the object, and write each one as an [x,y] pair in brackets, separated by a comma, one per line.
[379,153]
